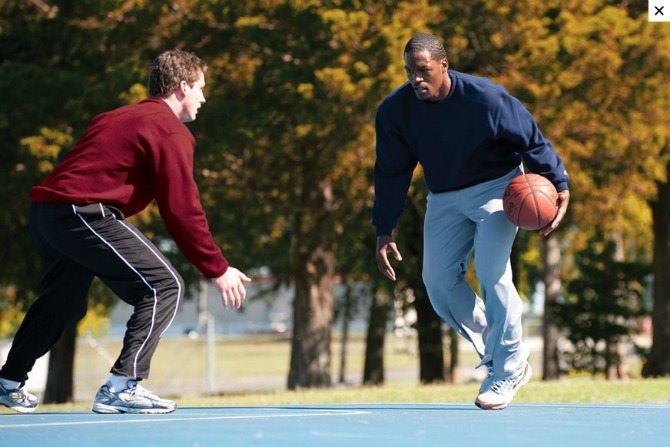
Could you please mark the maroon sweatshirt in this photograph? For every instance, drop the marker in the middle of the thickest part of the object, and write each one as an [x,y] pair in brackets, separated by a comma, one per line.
[129,157]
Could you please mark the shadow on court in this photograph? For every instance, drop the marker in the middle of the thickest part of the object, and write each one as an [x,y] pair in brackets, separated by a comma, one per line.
[361,425]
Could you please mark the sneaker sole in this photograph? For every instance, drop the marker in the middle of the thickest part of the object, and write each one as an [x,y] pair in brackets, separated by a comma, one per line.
[528,371]
[485,406]
[109,409]
[20,409]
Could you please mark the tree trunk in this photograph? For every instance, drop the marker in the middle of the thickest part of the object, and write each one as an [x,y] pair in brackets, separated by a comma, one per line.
[617,363]
[658,362]
[313,267]
[550,334]
[429,328]
[454,375]
[429,324]
[373,370]
[313,310]
[60,383]
[346,317]
[615,352]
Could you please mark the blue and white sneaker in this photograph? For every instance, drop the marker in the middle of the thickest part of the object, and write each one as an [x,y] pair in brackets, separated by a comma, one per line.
[135,399]
[18,399]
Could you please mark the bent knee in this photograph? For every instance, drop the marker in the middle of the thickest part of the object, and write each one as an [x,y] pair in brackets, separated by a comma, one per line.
[443,279]
[172,285]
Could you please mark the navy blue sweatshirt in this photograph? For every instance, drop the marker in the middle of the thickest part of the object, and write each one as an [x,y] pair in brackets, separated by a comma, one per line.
[479,132]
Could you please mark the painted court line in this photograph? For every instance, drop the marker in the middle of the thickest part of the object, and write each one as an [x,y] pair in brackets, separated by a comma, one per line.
[195,418]
[350,425]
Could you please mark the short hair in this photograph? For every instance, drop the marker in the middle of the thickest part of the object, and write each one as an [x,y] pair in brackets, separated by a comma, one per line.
[426,42]
[172,67]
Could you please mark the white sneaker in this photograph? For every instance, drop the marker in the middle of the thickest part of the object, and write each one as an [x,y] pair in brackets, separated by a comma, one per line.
[486,383]
[135,399]
[501,392]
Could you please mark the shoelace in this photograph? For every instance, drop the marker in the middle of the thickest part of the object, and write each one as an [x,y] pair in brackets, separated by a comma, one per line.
[139,390]
[503,385]
[22,389]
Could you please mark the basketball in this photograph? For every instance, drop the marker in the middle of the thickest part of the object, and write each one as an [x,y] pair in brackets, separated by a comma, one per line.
[530,201]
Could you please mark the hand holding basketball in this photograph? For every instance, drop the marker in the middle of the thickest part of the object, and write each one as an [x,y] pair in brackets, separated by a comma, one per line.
[563,201]
[530,202]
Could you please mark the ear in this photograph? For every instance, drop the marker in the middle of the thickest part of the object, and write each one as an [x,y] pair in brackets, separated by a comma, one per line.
[445,64]
[184,87]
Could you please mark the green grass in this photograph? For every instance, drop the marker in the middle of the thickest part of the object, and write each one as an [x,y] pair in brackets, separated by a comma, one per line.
[578,390]
[253,371]
[575,390]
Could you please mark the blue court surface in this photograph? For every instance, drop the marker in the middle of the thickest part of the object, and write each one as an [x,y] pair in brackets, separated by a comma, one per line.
[350,425]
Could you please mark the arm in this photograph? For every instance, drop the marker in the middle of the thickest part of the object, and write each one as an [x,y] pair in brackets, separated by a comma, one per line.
[392,176]
[179,204]
[393,171]
[517,125]
[178,201]
[538,154]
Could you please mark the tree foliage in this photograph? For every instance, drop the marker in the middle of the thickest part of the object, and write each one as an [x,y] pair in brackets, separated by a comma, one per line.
[601,307]
[286,139]
[594,74]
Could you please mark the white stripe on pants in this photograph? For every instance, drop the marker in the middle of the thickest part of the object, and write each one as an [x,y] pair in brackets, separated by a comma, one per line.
[456,223]
[76,243]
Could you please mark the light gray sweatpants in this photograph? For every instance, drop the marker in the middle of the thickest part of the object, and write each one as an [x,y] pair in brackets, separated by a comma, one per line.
[456,223]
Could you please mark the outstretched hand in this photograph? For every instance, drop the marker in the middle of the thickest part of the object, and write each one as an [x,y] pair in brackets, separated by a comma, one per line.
[231,287]
[385,246]
[563,200]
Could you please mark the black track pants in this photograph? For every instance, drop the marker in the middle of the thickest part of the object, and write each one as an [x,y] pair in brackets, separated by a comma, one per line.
[76,243]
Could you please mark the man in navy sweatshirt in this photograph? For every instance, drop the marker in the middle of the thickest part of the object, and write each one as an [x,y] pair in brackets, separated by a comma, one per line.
[471,137]
[127,158]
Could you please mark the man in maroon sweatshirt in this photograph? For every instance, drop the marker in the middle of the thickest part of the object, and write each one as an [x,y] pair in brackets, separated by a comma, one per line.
[127,158]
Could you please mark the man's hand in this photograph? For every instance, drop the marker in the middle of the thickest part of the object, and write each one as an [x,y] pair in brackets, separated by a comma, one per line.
[386,245]
[231,287]
[563,200]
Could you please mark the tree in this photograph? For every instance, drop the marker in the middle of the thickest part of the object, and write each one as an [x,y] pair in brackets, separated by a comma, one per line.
[589,72]
[300,77]
[550,331]
[59,67]
[428,324]
[599,309]
[285,142]
[658,360]
[380,307]
[306,78]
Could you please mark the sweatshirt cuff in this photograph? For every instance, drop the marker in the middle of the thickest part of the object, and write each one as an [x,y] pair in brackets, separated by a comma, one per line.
[562,186]
[214,271]
[384,231]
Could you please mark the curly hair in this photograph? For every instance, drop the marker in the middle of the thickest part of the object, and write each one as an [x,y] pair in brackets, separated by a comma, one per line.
[172,67]
[426,42]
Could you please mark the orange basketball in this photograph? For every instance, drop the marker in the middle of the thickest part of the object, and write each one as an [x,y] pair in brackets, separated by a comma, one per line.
[530,201]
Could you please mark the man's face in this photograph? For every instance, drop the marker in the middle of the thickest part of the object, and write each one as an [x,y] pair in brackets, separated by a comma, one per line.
[427,76]
[193,99]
